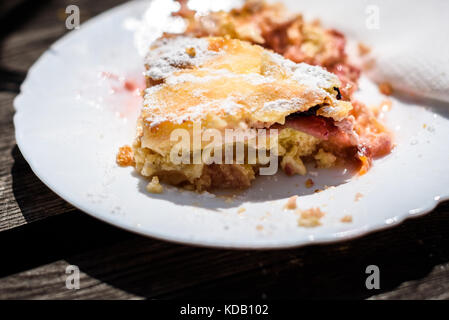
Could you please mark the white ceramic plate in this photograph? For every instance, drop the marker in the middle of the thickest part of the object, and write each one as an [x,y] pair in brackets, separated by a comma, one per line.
[69,127]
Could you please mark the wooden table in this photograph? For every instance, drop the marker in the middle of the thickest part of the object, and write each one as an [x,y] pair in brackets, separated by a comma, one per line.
[40,234]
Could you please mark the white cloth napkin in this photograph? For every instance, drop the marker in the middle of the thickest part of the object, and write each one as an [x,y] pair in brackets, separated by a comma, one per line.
[410,42]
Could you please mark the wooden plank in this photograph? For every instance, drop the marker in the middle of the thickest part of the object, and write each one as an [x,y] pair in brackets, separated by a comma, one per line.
[38,248]
[435,287]
[413,255]
[28,285]
[43,25]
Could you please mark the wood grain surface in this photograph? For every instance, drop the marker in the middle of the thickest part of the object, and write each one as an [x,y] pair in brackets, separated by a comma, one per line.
[41,234]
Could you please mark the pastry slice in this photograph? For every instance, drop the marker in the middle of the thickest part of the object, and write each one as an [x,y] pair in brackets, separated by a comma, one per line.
[200,89]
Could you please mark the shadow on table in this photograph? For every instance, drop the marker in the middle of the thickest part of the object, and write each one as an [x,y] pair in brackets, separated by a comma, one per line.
[35,199]
[13,16]
[154,269]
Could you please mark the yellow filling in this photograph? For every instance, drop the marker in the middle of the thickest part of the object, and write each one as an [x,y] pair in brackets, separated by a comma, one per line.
[293,147]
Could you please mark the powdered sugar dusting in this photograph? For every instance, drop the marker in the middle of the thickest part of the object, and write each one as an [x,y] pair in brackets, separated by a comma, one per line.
[171,54]
[280,60]
[228,106]
[283,104]
[313,77]
[251,78]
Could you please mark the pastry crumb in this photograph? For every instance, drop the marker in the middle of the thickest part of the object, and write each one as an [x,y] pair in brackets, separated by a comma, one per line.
[154,186]
[363,49]
[191,52]
[358,196]
[259,227]
[291,203]
[386,88]
[241,210]
[309,183]
[125,156]
[310,218]
[346,219]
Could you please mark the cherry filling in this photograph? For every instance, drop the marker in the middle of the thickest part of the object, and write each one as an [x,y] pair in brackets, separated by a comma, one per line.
[347,138]
[340,134]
